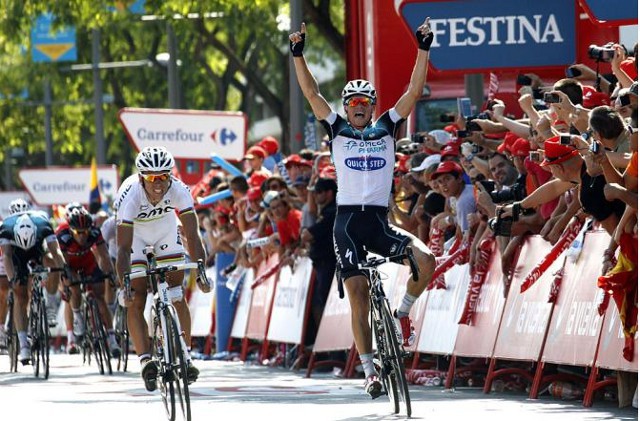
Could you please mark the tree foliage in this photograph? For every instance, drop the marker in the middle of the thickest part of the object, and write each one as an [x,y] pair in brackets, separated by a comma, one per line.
[228,61]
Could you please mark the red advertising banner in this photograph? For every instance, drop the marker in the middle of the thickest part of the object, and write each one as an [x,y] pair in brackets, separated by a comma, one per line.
[479,339]
[527,314]
[261,301]
[575,324]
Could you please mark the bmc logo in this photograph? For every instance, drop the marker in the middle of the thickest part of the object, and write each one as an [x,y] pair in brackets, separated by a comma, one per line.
[155,212]
[364,163]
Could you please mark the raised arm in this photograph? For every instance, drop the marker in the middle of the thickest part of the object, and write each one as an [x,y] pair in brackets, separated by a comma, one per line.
[407,101]
[306,80]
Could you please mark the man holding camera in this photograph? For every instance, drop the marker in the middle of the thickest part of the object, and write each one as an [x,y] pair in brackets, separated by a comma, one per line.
[363,151]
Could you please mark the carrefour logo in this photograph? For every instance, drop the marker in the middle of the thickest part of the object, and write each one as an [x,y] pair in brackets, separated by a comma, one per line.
[364,163]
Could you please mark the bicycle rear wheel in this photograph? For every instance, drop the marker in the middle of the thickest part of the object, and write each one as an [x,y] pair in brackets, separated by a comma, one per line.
[179,364]
[396,357]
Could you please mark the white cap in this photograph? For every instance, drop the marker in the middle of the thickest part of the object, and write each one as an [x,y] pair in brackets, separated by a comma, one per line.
[441,136]
[268,198]
[427,162]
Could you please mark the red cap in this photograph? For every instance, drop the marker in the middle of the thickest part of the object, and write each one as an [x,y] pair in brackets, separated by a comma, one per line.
[269,144]
[254,193]
[509,140]
[445,168]
[629,67]
[557,153]
[255,151]
[451,128]
[449,150]
[520,147]
[257,178]
[295,159]
[592,98]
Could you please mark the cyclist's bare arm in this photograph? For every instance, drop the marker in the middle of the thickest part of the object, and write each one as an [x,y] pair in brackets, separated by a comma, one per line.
[407,101]
[56,253]
[308,82]
[194,242]
[7,258]
[101,252]
[124,241]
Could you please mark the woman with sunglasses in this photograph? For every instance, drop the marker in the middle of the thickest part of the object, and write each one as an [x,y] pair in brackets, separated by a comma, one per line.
[363,151]
[148,207]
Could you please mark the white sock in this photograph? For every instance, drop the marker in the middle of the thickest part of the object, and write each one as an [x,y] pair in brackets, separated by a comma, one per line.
[367,364]
[144,357]
[405,306]
[70,336]
[77,314]
[23,339]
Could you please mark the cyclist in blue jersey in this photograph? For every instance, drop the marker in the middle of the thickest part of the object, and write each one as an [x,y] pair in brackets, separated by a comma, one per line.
[363,151]
[22,239]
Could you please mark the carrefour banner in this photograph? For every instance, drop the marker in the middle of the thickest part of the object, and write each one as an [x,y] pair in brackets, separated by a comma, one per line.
[493,34]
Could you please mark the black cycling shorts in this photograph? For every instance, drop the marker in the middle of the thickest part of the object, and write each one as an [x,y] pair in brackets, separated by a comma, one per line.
[357,231]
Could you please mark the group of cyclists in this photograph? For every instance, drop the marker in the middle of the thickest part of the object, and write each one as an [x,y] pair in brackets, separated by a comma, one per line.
[152,201]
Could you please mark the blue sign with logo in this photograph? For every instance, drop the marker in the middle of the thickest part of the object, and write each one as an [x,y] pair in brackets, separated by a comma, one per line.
[493,34]
[50,46]
[613,10]
[363,163]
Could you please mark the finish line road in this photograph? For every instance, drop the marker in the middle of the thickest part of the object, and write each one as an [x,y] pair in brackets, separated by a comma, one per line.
[235,391]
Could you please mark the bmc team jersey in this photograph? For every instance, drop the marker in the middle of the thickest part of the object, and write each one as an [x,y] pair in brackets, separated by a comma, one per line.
[79,257]
[154,225]
[364,159]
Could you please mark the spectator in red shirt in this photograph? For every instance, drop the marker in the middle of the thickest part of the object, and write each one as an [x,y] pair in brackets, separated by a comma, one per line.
[287,219]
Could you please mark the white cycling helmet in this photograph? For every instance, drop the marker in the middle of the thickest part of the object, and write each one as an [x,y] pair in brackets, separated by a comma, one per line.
[359,87]
[24,232]
[18,205]
[154,159]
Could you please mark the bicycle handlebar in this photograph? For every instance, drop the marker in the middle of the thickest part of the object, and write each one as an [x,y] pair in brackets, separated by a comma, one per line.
[162,269]
[374,262]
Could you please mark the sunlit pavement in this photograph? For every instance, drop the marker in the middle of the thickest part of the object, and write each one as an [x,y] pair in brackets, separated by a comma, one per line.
[233,390]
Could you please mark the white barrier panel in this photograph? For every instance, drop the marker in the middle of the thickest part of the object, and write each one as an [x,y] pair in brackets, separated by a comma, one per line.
[201,307]
[261,300]
[244,305]
[444,307]
[334,332]
[290,303]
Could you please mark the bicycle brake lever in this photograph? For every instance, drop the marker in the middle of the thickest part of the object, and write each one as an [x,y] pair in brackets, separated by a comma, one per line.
[413,264]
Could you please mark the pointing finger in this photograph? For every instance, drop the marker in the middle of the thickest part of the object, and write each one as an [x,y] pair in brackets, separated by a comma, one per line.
[303,28]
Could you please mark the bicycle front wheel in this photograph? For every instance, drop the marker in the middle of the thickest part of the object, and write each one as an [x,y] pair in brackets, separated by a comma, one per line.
[13,346]
[122,336]
[102,339]
[179,363]
[383,360]
[35,335]
[43,340]
[395,357]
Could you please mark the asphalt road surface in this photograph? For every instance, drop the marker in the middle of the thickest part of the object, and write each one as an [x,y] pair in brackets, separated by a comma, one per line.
[238,391]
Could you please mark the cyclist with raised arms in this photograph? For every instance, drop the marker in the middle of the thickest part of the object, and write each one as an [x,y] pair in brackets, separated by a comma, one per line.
[146,208]
[22,239]
[86,252]
[363,151]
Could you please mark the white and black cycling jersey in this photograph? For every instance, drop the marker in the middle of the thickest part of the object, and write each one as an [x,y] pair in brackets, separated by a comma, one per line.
[133,206]
[364,159]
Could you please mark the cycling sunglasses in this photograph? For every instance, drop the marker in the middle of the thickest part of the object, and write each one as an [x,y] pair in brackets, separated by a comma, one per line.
[153,177]
[354,102]
[80,231]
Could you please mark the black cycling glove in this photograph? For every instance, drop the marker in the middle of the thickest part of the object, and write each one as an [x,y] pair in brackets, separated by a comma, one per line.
[424,41]
[297,47]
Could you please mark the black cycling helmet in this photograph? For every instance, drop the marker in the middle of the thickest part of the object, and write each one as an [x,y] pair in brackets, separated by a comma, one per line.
[79,219]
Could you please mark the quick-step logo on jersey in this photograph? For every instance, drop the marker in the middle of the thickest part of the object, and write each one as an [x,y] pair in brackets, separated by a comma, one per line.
[365,163]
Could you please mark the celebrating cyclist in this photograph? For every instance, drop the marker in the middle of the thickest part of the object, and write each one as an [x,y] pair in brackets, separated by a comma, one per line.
[363,151]
[86,253]
[22,236]
[146,215]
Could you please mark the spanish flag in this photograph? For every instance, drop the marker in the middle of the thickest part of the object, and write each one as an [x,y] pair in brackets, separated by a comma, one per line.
[95,202]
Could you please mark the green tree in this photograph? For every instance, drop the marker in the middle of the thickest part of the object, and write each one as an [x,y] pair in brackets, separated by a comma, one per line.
[227,61]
